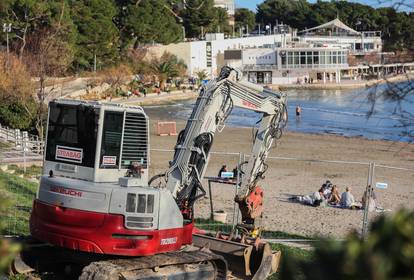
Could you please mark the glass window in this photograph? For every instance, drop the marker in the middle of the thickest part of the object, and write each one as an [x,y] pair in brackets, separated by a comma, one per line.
[334,56]
[150,203]
[131,202]
[296,59]
[315,58]
[309,59]
[111,139]
[72,133]
[302,58]
[142,201]
[290,58]
[323,57]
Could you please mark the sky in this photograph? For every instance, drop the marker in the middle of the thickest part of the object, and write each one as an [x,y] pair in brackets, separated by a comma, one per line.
[251,4]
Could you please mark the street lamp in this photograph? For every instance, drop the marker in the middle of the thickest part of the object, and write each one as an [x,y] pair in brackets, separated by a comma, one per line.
[7,30]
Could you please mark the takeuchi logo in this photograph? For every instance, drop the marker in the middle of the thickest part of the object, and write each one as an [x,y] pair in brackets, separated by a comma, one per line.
[62,190]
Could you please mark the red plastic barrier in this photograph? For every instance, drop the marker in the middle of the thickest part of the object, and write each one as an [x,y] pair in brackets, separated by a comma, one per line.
[166,129]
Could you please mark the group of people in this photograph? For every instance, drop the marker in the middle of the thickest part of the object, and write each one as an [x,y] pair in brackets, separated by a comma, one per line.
[328,194]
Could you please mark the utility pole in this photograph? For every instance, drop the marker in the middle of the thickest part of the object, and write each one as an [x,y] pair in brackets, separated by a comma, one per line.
[94,62]
[183,33]
[7,29]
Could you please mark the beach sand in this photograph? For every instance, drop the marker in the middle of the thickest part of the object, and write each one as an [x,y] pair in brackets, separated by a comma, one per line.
[303,177]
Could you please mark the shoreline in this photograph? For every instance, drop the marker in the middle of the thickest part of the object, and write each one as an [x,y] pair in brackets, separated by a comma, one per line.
[345,86]
[171,98]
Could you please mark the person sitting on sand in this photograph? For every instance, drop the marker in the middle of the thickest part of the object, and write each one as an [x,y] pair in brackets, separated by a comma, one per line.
[327,189]
[348,200]
[372,200]
[222,169]
[334,196]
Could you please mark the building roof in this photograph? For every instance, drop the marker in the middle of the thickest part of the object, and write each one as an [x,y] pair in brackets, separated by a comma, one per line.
[336,23]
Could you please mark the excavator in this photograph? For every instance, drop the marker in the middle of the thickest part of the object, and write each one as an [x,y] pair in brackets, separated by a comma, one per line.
[96,212]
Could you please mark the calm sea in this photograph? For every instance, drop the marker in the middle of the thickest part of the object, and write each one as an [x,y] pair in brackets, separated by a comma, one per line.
[339,112]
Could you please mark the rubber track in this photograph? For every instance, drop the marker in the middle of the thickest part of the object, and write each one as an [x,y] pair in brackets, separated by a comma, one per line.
[113,269]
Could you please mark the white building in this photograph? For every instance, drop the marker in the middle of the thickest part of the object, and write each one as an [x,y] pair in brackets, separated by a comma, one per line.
[336,32]
[318,53]
[228,5]
[293,64]
[209,55]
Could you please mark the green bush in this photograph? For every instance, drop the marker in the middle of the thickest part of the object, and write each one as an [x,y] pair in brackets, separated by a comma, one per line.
[387,253]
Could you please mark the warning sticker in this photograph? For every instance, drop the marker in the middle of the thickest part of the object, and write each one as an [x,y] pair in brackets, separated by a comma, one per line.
[109,160]
[69,154]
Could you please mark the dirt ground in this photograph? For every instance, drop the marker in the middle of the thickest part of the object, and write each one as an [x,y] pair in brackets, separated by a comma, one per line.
[299,172]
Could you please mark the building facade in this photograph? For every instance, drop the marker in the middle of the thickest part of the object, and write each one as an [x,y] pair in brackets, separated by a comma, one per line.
[228,5]
[326,53]
[208,55]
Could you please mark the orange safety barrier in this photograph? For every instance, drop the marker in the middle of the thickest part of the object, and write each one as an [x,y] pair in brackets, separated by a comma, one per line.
[166,128]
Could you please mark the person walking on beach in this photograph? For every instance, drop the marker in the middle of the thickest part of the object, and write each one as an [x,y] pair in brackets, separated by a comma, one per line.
[298,111]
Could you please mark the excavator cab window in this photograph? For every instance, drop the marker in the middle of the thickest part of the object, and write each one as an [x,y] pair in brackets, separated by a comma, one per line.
[111,139]
[72,133]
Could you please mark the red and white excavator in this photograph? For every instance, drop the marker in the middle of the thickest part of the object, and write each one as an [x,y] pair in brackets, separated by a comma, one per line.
[97,207]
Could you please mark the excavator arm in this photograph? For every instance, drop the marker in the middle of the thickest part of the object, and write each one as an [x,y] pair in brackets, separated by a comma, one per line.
[192,151]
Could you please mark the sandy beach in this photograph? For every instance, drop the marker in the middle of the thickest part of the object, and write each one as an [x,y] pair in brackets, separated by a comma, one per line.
[298,176]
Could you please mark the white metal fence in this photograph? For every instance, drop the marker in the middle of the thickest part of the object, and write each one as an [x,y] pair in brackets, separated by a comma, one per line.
[290,176]
[19,146]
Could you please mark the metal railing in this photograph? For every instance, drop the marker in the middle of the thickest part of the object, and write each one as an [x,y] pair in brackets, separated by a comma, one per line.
[299,176]
[19,146]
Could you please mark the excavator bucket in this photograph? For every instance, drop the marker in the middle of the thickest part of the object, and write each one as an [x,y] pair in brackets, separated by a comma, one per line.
[245,261]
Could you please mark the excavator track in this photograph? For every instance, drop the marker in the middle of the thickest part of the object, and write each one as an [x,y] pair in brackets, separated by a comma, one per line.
[195,264]
[189,263]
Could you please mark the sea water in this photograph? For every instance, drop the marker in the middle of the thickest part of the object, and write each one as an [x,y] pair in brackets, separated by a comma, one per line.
[338,112]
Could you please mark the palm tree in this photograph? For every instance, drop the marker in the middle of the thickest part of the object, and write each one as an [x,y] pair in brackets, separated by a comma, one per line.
[201,76]
[167,66]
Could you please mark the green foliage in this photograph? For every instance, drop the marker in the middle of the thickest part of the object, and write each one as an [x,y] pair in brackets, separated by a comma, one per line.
[147,21]
[298,254]
[201,75]
[16,94]
[20,194]
[31,171]
[245,17]
[14,114]
[293,13]
[7,249]
[197,14]
[220,23]
[397,27]
[168,66]
[387,253]
[79,30]
[98,34]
